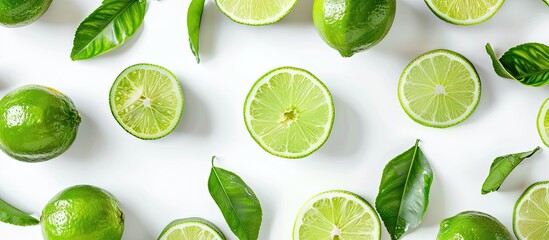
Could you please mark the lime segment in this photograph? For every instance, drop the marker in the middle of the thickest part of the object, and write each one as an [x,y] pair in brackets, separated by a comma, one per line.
[531,215]
[253,12]
[464,12]
[147,101]
[289,112]
[439,89]
[337,215]
[191,229]
[543,122]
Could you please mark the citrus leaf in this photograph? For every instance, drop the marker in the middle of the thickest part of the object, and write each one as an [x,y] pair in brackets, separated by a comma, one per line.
[194,18]
[502,167]
[12,215]
[237,202]
[527,63]
[404,192]
[108,27]
[498,67]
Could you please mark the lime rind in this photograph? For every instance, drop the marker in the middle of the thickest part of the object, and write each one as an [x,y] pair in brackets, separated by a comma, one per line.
[520,202]
[542,126]
[251,22]
[203,224]
[455,57]
[264,80]
[175,85]
[464,22]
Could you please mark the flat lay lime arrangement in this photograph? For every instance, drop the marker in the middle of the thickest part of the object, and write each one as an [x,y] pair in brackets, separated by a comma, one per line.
[289,112]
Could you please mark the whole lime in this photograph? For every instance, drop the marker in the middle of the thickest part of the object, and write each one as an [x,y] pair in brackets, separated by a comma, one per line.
[473,226]
[84,213]
[37,123]
[351,26]
[18,13]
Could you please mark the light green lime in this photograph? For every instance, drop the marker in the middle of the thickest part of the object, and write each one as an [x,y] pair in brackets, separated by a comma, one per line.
[439,89]
[472,225]
[256,13]
[337,215]
[464,12]
[543,122]
[18,13]
[531,215]
[147,101]
[191,229]
[289,112]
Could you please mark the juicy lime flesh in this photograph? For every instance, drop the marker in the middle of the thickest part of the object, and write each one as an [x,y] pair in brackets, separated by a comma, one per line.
[532,214]
[439,90]
[191,231]
[465,11]
[147,101]
[290,113]
[543,122]
[255,12]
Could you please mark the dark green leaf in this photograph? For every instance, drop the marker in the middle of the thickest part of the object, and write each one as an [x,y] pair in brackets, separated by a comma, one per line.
[108,27]
[237,202]
[404,192]
[527,63]
[498,67]
[501,168]
[194,18]
[11,215]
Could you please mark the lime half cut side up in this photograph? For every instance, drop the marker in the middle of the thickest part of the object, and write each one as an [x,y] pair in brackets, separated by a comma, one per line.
[531,215]
[191,229]
[254,12]
[147,101]
[464,12]
[289,112]
[543,122]
[337,215]
[439,89]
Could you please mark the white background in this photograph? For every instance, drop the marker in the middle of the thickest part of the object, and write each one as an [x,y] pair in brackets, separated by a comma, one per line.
[159,181]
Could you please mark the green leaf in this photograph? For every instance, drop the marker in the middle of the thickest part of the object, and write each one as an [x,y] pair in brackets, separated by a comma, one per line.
[527,63]
[502,167]
[498,67]
[404,192]
[11,215]
[194,18]
[237,202]
[108,27]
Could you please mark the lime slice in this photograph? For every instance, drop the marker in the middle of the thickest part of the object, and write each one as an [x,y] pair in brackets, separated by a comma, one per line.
[439,89]
[543,122]
[531,215]
[289,112]
[191,229]
[464,12]
[337,215]
[254,12]
[147,101]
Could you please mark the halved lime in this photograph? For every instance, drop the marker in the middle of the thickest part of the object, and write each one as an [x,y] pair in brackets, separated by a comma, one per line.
[254,12]
[439,89]
[464,12]
[531,215]
[289,112]
[337,215]
[191,229]
[543,122]
[147,101]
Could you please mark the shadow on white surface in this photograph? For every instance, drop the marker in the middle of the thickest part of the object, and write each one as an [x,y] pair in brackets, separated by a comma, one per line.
[195,119]
[88,139]
[209,31]
[301,14]
[66,12]
[134,228]
[268,206]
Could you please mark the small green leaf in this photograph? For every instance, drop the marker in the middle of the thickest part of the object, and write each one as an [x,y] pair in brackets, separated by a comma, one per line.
[501,168]
[11,215]
[108,27]
[237,202]
[194,18]
[404,192]
[498,67]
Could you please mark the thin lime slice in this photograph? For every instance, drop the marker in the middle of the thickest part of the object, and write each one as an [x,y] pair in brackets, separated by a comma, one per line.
[191,229]
[543,122]
[147,101]
[337,215]
[464,12]
[531,215]
[254,12]
[439,89]
[289,112]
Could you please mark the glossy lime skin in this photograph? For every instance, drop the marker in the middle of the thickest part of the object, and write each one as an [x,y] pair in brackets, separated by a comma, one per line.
[82,213]
[37,123]
[18,13]
[473,226]
[351,26]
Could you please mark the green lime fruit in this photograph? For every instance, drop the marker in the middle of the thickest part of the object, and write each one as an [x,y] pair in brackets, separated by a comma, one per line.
[531,214]
[543,122]
[147,101]
[337,215]
[351,26]
[464,12]
[256,13]
[191,229]
[472,225]
[37,123]
[439,89]
[18,13]
[289,112]
[82,213]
